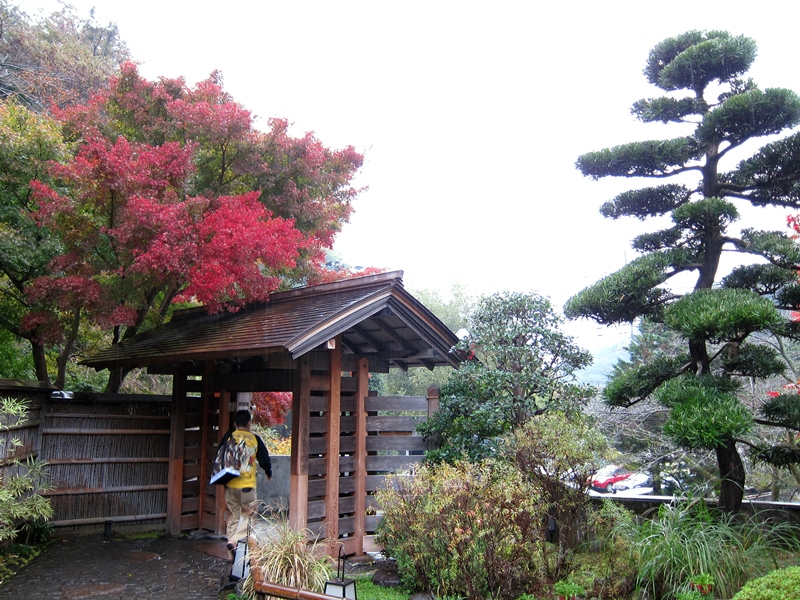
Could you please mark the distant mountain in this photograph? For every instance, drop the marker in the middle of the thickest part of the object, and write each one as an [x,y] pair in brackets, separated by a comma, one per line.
[604,360]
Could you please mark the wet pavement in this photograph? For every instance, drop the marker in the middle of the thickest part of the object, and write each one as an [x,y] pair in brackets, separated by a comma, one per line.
[76,567]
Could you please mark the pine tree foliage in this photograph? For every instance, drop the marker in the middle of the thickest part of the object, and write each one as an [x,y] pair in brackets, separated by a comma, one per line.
[717,111]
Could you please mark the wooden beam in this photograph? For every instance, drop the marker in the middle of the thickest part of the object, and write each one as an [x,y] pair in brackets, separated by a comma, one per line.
[433,406]
[106,460]
[224,426]
[269,380]
[361,455]
[427,364]
[348,347]
[176,449]
[205,439]
[115,417]
[392,334]
[333,433]
[370,339]
[356,346]
[301,420]
[99,520]
[103,490]
[350,364]
[90,431]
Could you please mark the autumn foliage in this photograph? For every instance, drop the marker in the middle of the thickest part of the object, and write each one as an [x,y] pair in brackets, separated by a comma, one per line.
[270,408]
[173,195]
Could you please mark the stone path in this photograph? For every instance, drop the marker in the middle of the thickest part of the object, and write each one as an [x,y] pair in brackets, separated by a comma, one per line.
[77,567]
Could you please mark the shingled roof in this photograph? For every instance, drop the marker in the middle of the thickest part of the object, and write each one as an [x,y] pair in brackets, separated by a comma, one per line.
[376,316]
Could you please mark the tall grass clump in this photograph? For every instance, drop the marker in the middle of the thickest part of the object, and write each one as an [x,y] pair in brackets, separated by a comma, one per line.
[287,557]
[687,538]
[465,530]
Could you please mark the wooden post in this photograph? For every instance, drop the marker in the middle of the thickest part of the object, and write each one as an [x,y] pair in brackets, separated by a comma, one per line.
[224,425]
[433,401]
[361,455]
[433,406]
[301,426]
[176,453]
[205,443]
[333,445]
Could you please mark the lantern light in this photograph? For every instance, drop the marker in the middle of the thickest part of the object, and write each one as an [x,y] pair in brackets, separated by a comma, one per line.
[341,587]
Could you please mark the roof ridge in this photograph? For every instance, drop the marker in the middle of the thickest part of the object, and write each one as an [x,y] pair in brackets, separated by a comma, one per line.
[364,281]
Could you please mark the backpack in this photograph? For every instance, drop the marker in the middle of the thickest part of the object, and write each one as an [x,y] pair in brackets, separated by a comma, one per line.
[227,462]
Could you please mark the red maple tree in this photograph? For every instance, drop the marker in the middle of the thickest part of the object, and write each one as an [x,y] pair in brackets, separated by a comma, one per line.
[270,408]
[173,195]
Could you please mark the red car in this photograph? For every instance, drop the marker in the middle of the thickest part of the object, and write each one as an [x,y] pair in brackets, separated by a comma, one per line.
[606,477]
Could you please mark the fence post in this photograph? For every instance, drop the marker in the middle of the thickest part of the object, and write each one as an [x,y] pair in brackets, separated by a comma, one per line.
[361,454]
[433,406]
[433,401]
[332,470]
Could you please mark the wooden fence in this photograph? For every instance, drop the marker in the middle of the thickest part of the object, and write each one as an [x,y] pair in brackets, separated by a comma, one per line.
[108,455]
[25,431]
[391,444]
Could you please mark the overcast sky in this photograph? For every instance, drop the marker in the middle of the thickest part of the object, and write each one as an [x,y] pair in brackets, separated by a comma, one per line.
[470,114]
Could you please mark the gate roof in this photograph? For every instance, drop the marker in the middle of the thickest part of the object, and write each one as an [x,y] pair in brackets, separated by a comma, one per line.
[375,315]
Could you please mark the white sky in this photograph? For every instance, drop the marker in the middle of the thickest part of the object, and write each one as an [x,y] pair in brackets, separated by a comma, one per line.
[471,115]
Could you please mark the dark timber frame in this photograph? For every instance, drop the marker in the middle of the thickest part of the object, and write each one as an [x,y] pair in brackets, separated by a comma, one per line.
[321,343]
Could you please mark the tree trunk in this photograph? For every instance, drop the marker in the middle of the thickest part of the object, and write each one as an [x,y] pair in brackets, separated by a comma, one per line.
[115,378]
[775,485]
[39,362]
[699,355]
[66,351]
[118,374]
[731,470]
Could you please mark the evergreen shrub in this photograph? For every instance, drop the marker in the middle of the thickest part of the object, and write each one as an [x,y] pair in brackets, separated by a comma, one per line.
[780,584]
[466,530]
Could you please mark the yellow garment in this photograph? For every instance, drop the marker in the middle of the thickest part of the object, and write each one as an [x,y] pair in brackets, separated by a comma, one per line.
[247,446]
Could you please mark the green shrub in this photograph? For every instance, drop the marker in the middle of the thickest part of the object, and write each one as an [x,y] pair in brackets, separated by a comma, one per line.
[366,590]
[568,588]
[781,584]
[466,530]
[611,528]
[687,538]
[20,482]
[559,454]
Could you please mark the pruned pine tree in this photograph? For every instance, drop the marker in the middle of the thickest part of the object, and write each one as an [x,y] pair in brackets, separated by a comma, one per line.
[722,310]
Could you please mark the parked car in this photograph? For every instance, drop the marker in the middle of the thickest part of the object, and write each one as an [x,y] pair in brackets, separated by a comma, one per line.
[638,482]
[608,477]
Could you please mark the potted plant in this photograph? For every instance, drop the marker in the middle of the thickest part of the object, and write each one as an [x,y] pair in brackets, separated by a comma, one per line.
[690,595]
[568,590]
[703,583]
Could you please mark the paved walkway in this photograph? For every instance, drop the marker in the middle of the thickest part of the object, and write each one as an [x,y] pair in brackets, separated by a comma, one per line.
[76,567]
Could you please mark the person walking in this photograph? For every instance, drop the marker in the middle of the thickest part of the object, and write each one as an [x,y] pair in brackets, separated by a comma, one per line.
[240,492]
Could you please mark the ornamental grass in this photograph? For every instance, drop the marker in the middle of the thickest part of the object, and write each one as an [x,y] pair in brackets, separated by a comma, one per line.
[287,557]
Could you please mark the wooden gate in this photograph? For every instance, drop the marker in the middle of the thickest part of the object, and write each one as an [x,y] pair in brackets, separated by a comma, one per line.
[354,441]
[198,415]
